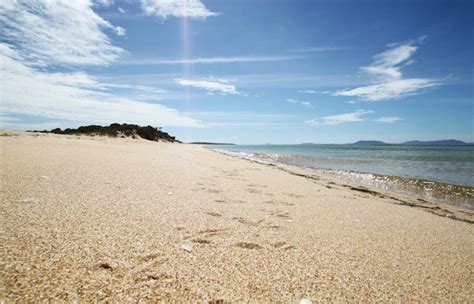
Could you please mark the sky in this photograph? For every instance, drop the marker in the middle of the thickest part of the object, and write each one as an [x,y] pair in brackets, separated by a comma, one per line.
[242,71]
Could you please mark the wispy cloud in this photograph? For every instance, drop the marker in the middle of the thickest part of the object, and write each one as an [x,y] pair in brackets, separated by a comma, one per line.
[296,101]
[63,32]
[386,65]
[389,120]
[308,91]
[244,119]
[75,97]
[386,73]
[176,8]
[294,55]
[211,60]
[212,86]
[356,116]
[390,90]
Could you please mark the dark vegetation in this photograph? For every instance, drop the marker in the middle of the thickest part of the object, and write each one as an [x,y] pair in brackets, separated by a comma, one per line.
[118,130]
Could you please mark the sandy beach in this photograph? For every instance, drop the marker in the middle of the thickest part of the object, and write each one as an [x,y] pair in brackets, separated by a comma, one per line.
[101,219]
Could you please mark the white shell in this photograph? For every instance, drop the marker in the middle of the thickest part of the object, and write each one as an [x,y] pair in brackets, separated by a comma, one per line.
[187,247]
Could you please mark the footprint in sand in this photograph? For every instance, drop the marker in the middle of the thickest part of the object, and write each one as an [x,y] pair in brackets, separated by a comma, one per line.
[281,214]
[255,185]
[211,232]
[279,244]
[214,191]
[279,203]
[250,190]
[201,241]
[247,245]
[247,222]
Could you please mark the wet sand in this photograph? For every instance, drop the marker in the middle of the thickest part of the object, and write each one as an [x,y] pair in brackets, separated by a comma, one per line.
[123,220]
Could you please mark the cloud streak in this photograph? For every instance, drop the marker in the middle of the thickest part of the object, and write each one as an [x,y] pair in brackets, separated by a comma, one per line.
[356,116]
[386,72]
[176,8]
[308,91]
[295,101]
[389,120]
[215,86]
[390,90]
[212,60]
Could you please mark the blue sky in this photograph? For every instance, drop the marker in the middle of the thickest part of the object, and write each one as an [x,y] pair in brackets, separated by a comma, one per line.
[242,71]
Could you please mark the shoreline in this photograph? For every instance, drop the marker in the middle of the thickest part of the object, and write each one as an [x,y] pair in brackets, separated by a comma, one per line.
[440,208]
[102,219]
[439,192]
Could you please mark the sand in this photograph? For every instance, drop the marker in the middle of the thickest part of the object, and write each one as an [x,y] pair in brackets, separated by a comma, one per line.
[99,219]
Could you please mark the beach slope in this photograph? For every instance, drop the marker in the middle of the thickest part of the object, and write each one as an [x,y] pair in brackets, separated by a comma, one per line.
[94,218]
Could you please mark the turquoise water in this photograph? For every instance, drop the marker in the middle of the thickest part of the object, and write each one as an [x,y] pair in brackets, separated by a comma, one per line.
[447,166]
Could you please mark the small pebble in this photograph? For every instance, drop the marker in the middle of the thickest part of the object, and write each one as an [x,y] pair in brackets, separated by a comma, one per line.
[187,248]
[44,177]
[28,200]
[305,301]
[169,193]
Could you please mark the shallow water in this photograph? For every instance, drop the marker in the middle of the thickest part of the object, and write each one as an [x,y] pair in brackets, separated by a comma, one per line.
[442,173]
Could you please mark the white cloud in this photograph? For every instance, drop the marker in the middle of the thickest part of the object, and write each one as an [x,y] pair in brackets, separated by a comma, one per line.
[388,78]
[308,91]
[244,119]
[386,65]
[390,90]
[295,101]
[121,10]
[74,98]
[176,8]
[58,32]
[356,116]
[389,120]
[219,86]
[211,60]
[104,2]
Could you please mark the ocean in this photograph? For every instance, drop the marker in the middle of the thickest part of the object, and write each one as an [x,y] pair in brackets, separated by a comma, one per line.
[439,173]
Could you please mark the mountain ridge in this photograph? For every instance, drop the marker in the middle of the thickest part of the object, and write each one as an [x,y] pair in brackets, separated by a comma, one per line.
[443,142]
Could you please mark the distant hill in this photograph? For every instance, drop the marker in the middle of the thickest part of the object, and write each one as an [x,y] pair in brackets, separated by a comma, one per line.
[446,142]
[210,143]
[118,130]
[369,143]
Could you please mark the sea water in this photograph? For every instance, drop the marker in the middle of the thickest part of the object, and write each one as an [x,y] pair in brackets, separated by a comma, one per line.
[444,173]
